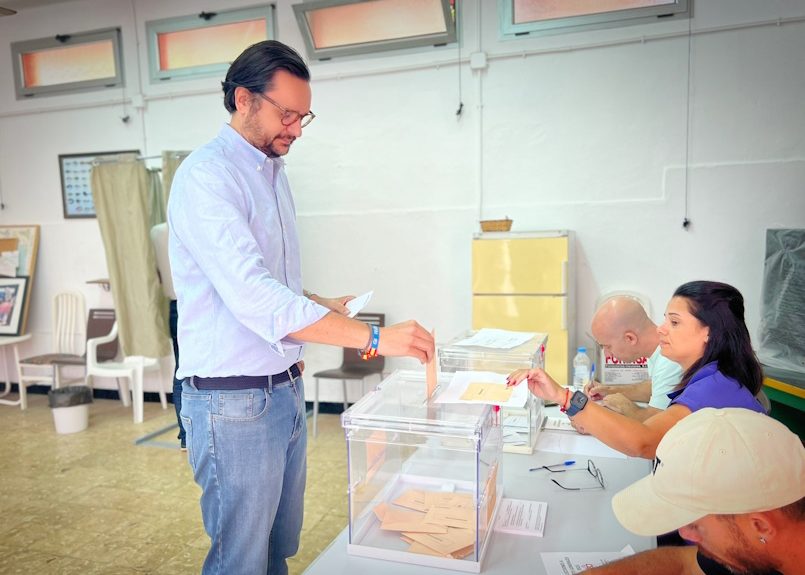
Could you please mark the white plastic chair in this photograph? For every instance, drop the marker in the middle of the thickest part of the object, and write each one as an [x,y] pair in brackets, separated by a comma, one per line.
[131,368]
[69,316]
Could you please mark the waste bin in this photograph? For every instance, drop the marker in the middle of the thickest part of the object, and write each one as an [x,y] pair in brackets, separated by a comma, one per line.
[70,407]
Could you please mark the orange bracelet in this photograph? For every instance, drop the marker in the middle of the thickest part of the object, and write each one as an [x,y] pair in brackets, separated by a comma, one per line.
[567,401]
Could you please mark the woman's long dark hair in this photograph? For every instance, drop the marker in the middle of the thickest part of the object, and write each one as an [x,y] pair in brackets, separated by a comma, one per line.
[720,307]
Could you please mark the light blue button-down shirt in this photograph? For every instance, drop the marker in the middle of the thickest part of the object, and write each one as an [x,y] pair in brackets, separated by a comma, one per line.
[234,255]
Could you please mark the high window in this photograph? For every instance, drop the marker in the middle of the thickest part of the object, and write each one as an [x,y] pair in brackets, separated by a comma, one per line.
[67,63]
[347,27]
[520,17]
[204,44]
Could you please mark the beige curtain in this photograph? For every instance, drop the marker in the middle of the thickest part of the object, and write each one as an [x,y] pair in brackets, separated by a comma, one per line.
[170,162]
[157,201]
[121,190]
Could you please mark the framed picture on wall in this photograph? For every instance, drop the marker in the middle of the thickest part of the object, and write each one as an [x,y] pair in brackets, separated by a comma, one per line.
[19,246]
[12,304]
[76,184]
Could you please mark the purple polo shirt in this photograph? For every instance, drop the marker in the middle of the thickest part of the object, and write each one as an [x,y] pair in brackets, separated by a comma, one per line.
[710,388]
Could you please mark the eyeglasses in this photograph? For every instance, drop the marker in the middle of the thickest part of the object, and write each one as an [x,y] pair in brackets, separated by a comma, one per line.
[289,117]
[592,470]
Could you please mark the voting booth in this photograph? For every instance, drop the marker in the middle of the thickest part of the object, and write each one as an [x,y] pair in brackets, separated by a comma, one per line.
[424,477]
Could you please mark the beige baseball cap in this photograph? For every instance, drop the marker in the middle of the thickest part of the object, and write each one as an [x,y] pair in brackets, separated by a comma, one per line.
[715,461]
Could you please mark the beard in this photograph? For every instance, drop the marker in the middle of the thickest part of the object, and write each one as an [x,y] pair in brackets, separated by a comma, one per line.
[738,558]
[257,137]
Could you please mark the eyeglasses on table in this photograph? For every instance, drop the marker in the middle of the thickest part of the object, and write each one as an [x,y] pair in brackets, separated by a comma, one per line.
[591,469]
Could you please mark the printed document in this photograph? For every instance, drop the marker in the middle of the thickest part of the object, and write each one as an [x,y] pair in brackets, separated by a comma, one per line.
[497,338]
[576,562]
[521,517]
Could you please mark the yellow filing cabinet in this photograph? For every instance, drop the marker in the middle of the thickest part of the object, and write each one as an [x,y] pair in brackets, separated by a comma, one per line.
[523,282]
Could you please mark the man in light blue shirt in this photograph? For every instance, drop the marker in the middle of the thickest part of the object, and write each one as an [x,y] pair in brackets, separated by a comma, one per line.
[243,317]
[623,329]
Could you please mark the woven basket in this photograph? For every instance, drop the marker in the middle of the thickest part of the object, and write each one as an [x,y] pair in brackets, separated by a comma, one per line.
[496,225]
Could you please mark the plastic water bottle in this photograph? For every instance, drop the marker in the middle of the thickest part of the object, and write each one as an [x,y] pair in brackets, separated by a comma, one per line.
[582,367]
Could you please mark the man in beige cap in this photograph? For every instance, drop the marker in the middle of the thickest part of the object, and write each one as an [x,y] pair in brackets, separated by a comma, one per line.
[733,482]
[622,327]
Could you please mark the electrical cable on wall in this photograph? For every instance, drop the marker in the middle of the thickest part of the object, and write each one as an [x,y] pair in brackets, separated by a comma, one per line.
[686,221]
[457,23]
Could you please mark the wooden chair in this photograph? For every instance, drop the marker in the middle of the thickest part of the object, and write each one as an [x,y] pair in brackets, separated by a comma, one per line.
[352,368]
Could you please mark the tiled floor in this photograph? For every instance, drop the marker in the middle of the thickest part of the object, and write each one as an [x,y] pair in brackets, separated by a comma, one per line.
[94,502]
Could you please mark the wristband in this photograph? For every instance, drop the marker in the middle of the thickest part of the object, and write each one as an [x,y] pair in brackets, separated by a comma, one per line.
[563,409]
[370,350]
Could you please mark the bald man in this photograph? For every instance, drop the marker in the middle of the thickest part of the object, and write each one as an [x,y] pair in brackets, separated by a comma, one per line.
[623,329]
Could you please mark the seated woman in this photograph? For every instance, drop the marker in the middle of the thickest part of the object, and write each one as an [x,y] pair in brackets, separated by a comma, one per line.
[705,333]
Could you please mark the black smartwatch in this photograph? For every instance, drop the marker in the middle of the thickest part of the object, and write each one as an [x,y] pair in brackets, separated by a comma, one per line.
[578,401]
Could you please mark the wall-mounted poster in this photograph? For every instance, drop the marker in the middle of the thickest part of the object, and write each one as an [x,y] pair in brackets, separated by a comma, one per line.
[12,304]
[19,246]
[76,187]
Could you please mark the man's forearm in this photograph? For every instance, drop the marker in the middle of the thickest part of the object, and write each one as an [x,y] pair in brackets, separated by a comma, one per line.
[662,561]
[638,391]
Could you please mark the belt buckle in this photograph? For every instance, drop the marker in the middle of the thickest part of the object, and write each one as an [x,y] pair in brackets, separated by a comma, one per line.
[291,377]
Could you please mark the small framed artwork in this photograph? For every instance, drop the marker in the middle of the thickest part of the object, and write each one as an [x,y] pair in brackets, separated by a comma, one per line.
[76,184]
[12,303]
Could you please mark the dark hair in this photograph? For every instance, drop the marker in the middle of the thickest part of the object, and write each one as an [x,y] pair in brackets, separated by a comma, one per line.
[795,511]
[254,69]
[720,307]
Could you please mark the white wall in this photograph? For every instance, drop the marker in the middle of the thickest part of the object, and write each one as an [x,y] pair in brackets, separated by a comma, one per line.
[588,131]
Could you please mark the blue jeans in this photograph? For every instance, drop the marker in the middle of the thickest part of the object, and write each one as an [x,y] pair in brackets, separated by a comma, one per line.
[247,451]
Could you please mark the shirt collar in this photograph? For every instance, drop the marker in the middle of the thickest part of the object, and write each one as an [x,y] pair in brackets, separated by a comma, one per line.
[706,370]
[257,157]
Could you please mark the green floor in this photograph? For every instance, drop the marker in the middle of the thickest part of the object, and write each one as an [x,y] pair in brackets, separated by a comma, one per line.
[94,502]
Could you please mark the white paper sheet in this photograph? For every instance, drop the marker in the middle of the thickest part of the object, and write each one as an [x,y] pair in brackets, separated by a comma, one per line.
[356,305]
[516,422]
[8,263]
[561,563]
[462,379]
[575,444]
[558,423]
[511,437]
[521,517]
[497,338]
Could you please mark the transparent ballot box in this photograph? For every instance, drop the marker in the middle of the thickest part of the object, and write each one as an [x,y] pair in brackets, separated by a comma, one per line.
[424,479]
[521,426]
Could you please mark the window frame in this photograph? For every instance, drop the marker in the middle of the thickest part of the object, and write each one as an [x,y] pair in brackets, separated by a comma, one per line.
[613,19]
[41,44]
[441,38]
[191,22]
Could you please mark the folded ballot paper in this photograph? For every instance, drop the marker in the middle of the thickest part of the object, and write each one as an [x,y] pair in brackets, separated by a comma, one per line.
[434,523]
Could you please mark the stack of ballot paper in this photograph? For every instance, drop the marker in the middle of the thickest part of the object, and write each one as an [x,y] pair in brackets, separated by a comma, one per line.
[432,522]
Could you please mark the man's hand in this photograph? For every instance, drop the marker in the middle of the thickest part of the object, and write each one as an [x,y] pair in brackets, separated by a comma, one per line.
[336,304]
[407,339]
[595,390]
